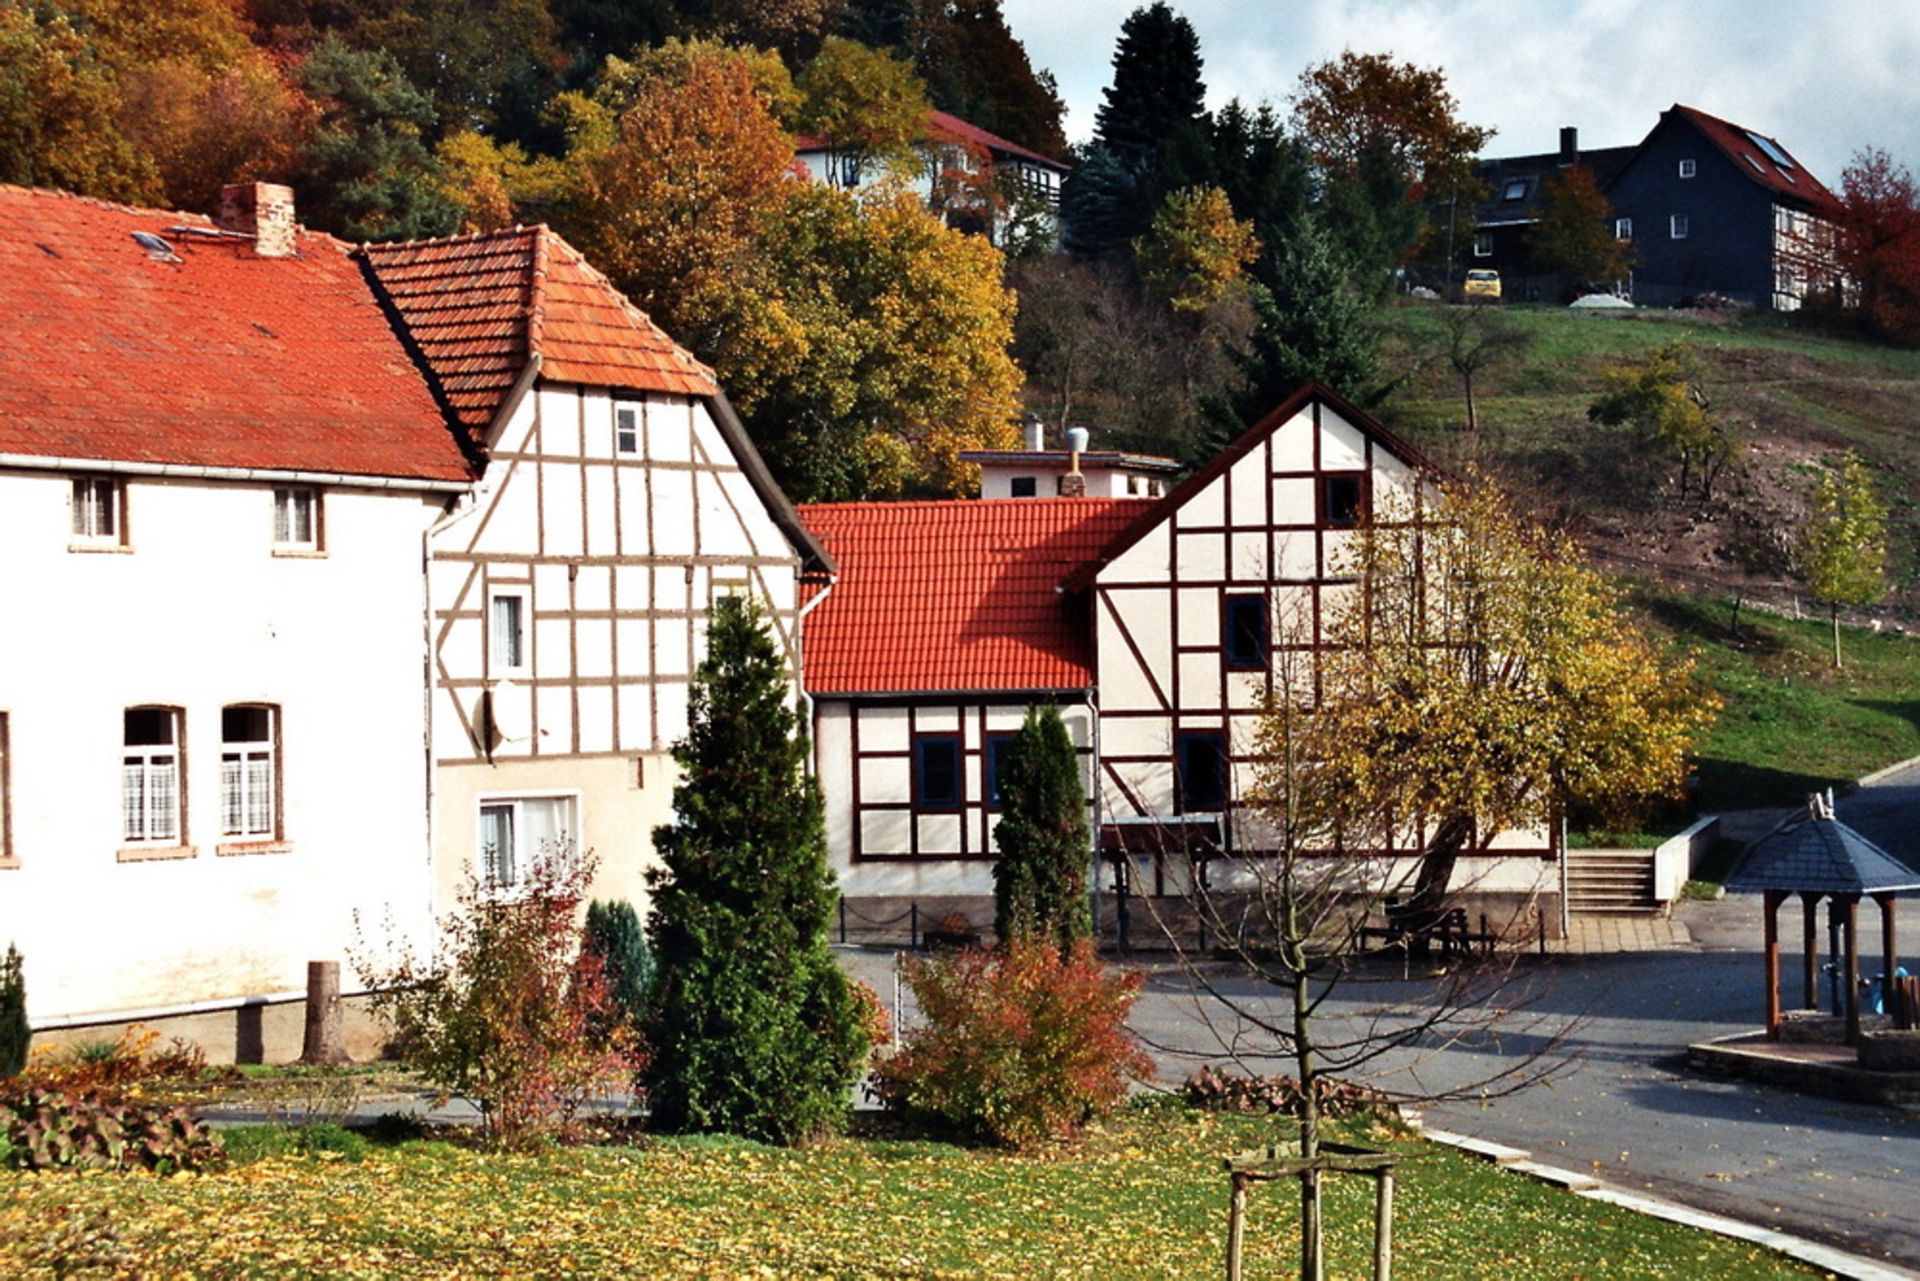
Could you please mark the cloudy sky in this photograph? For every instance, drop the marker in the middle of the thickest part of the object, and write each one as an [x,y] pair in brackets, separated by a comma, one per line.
[1825,77]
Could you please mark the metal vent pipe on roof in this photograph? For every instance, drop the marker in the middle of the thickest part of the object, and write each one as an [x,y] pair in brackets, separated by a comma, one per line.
[1076,445]
[1036,434]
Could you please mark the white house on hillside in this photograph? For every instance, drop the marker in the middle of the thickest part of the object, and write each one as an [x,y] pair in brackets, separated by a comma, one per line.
[973,178]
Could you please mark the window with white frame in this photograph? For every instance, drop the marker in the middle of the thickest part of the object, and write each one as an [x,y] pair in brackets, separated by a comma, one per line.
[1623,229]
[96,511]
[249,771]
[296,519]
[507,631]
[1483,244]
[1677,226]
[626,429]
[518,832]
[1688,169]
[150,776]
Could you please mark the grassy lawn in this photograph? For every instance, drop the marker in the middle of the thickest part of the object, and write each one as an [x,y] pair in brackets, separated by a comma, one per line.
[1792,724]
[1144,1197]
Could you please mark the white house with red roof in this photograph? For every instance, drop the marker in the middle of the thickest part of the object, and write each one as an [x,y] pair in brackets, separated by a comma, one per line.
[620,497]
[973,178]
[1154,625]
[218,469]
[343,575]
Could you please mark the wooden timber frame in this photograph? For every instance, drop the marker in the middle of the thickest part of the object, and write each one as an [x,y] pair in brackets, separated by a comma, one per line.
[1844,913]
[1284,1162]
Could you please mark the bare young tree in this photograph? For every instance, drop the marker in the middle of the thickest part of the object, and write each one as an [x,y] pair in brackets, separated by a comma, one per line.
[1295,923]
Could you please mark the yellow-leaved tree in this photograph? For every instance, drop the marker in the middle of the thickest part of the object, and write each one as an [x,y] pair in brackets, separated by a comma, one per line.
[1843,544]
[1480,675]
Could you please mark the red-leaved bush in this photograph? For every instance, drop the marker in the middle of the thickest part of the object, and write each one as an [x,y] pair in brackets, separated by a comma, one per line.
[1019,1044]
[510,1012]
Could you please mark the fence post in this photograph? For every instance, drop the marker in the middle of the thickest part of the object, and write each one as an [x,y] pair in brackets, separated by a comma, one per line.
[913,926]
[843,922]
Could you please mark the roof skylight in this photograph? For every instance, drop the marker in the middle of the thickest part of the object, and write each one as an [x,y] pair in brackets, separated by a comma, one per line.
[156,248]
[1771,149]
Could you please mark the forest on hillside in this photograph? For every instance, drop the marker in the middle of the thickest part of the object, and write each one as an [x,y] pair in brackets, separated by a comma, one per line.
[1202,263]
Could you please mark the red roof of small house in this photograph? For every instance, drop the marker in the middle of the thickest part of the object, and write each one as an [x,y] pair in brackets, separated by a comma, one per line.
[198,352]
[955,596]
[954,129]
[950,128]
[1791,180]
[478,307]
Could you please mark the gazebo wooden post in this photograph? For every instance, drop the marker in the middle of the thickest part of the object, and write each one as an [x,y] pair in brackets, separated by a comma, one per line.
[1889,955]
[1810,948]
[1851,903]
[1773,900]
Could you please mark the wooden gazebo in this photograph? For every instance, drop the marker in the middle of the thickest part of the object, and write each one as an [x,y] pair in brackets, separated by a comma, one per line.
[1816,857]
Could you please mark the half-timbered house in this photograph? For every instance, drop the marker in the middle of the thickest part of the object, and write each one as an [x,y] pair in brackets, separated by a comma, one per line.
[1156,625]
[620,497]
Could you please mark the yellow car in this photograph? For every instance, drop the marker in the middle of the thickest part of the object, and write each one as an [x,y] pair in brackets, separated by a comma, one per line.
[1482,283]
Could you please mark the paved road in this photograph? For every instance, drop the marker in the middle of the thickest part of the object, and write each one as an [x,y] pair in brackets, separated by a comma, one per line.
[1624,1108]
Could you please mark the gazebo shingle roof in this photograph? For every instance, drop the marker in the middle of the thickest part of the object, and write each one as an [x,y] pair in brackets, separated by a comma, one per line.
[1819,856]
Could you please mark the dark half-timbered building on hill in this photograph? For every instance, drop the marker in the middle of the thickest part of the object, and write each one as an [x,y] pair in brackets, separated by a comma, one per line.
[1156,626]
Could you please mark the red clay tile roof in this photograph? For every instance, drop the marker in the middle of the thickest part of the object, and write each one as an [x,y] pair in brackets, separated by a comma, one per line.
[949,128]
[955,595]
[479,306]
[220,358]
[1752,160]
[954,129]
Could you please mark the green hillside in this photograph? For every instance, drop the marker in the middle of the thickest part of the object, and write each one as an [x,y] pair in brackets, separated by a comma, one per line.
[1795,397]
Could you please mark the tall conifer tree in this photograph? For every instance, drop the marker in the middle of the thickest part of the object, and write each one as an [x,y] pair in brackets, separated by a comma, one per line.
[756,1031]
[1040,879]
[1152,129]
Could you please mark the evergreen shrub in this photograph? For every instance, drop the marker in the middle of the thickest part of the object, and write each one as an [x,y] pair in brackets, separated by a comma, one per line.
[15,1034]
[755,1031]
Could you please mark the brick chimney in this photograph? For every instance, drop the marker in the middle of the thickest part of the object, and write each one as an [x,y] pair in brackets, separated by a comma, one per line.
[1569,146]
[263,210]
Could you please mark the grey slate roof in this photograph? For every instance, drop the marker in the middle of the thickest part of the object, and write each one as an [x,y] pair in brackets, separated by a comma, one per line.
[1822,856]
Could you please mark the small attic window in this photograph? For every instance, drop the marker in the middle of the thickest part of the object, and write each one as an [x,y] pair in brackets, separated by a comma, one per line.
[1516,190]
[1755,162]
[157,249]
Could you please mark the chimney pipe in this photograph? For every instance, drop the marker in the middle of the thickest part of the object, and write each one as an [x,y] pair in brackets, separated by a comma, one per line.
[263,210]
[1073,484]
[1036,434]
[1569,145]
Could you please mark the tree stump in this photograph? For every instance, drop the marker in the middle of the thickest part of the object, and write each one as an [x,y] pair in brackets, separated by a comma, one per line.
[324,1042]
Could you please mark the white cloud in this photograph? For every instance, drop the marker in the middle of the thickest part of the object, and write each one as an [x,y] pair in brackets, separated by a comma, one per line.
[1826,79]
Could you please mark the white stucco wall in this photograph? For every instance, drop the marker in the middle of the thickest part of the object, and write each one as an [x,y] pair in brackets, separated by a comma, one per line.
[198,613]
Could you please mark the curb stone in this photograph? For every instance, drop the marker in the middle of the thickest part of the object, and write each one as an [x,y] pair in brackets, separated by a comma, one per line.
[1885,771]
[1839,1262]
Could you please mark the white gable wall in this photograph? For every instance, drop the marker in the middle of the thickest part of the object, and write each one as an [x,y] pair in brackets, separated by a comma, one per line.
[617,558]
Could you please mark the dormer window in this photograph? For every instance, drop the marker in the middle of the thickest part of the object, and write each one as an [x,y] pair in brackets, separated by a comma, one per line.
[1516,190]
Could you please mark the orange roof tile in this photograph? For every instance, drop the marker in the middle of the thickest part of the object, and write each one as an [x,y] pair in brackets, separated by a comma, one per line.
[955,595]
[208,356]
[479,306]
